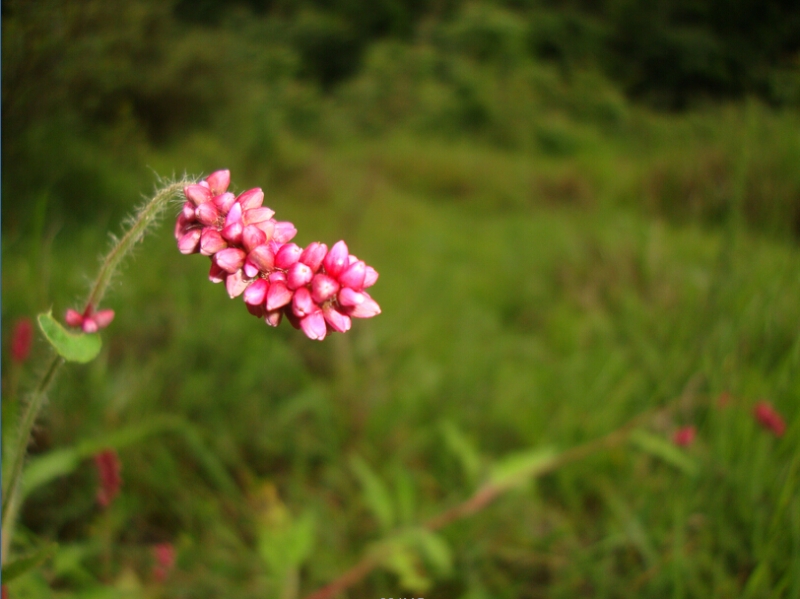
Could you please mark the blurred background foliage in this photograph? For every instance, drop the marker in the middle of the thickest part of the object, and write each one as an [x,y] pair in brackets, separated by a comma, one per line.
[577,208]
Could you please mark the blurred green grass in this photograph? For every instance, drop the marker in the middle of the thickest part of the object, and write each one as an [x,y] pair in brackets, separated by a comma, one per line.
[554,260]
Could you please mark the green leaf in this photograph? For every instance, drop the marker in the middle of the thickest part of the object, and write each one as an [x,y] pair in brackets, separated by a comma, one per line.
[24,564]
[72,347]
[517,468]
[661,448]
[376,495]
[463,449]
[403,561]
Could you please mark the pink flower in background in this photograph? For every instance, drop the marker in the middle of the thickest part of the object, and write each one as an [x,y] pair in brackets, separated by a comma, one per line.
[317,289]
[769,418]
[90,321]
[164,554]
[108,468]
[684,436]
[21,340]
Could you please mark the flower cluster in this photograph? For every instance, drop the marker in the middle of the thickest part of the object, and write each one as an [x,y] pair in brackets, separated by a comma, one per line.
[164,554]
[108,469]
[318,289]
[90,321]
[768,417]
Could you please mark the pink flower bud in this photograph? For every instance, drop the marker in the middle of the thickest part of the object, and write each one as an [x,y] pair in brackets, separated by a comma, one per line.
[234,215]
[299,274]
[197,194]
[284,232]
[289,254]
[188,211]
[211,242]
[262,257]
[73,318]
[337,321]
[273,318]
[216,274]
[370,277]
[230,259]
[769,418]
[684,437]
[313,255]
[256,293]
[302,304]
[257,215]
[353,275]
[224,202]
[349,297]
[252,198]
[235,284]
[366,308]
[89,325]
[323,288]
[218,181]
[278,295]
[314,326]
[256,310]
[189,243]
[22,339]
[233,232]
[182,226]
[268,226]
[207,213]
[336,259]
[252,237]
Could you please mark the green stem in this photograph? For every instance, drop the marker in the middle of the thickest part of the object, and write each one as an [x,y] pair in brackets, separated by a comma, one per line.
[145,218]
[11,482]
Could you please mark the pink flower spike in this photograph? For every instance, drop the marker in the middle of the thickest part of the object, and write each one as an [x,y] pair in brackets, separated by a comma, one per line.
[165,561]
[769,418]
[207,213]
[262,257]
[230,259]
[274,318]
[370,276]
[302,304]
[252,198]
[211,242]
[108,469]
[224,202]
[216,274]
[278,295]
[365,309]
[323,288]
[313,255]
[299,274]
[189,243]
[256,293]
[22,339]
[684,436]
[252,237]
[103,318]
[235,284]
[284,231]
[197,194]
[289,254]
[353,275]
[314,326]
[336,260]
[337,321]
[218,181]
[73,318]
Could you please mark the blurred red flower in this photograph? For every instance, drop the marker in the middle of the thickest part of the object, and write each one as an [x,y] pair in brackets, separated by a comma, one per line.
[108,467]
[684,436]
[21,340]
[769,418]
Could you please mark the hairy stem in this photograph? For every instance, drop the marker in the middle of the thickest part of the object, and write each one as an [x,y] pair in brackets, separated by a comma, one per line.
[145,218]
